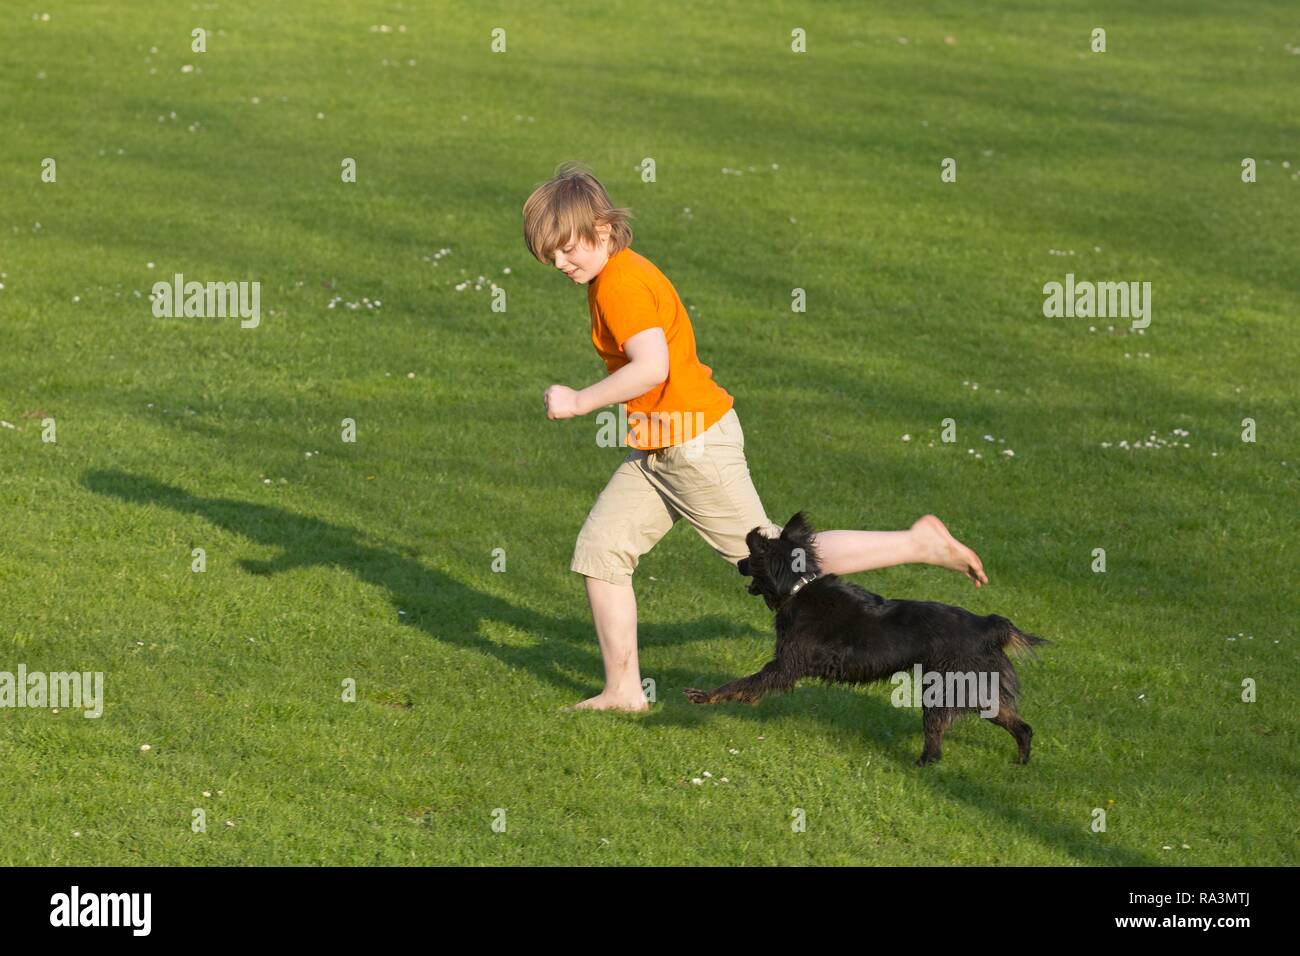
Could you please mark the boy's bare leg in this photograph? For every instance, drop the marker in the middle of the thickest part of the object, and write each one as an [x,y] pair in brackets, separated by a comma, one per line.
[613,610]
[926,542]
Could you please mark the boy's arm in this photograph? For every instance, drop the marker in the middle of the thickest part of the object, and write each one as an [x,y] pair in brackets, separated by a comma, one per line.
[647,367]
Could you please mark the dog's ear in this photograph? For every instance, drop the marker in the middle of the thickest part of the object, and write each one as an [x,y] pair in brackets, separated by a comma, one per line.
[798,528]
[743,566]
[754,540]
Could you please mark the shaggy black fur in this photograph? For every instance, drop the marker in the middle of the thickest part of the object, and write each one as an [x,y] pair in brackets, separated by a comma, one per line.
[836,631]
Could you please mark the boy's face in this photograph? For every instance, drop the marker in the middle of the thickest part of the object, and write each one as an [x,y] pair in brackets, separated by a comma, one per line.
[582,262]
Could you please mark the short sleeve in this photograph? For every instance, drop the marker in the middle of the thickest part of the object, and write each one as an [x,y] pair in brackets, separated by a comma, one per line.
[630,308]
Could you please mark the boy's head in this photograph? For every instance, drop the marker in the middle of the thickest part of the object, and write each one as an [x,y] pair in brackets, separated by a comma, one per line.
[569,221]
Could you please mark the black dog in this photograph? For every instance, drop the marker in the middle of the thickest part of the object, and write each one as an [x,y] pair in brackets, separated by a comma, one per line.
[838,632]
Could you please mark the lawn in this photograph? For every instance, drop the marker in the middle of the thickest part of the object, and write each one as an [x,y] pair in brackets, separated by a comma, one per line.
[332,563]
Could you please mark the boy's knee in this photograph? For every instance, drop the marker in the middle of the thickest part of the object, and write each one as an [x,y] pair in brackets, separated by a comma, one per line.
[601,573]
[595,556]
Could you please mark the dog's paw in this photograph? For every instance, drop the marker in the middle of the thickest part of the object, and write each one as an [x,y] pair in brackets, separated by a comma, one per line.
[697,696]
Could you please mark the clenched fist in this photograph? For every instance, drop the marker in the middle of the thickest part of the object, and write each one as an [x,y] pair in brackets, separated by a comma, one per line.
[560,402]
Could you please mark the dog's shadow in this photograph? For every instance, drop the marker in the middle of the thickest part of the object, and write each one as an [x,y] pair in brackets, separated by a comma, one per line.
[451,611]
[864,720]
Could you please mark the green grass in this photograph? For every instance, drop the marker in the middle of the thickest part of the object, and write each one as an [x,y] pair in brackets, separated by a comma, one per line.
[372,561]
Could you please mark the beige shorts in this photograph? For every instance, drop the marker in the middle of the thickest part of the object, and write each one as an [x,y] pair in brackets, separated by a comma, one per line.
[707,483]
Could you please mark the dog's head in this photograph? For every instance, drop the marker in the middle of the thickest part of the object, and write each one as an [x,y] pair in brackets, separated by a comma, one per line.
[775,564]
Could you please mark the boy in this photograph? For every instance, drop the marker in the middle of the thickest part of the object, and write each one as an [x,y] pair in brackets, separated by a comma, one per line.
[687,459]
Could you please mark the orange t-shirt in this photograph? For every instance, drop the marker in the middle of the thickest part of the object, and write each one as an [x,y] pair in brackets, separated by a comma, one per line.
[629,296]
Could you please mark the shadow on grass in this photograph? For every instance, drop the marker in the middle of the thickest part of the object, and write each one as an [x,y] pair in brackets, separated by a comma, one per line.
[1001,791]
[439,605]
[448,610]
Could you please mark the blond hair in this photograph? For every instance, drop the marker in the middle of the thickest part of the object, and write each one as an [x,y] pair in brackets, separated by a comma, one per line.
[572,203]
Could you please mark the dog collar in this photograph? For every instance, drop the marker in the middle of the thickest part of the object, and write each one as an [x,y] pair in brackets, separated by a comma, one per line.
[803,579]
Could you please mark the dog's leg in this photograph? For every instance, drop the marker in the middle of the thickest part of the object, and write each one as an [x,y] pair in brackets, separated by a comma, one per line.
[934,721]
[771,679]
[1009,720]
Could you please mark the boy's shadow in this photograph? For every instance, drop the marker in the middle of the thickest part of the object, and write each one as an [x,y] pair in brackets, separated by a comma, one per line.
[431,600]
[450,611]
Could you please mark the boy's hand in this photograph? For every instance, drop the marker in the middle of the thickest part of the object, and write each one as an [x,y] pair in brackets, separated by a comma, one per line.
[648,368]
[561,402]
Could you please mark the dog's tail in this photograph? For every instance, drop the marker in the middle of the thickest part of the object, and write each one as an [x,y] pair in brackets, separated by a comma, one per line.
[1012,638]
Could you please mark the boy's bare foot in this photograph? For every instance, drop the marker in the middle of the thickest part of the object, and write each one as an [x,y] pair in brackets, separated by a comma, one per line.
[603,701]
[942,549]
